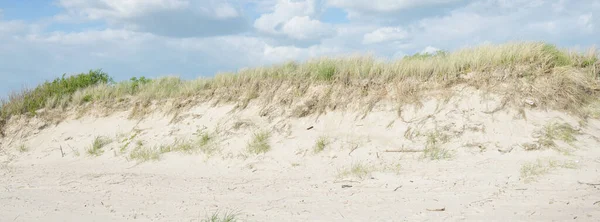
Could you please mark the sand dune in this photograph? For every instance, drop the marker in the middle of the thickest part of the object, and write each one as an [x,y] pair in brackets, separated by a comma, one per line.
[466,158]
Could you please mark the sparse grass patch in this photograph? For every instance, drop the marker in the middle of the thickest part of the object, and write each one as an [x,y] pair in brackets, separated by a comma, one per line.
[556,131]
[394,168]
[531,170]
[357,170]
[143,154]
[97,145]
[321,143]
[260,143]
[225,217]
[433,146]
[128,141]
[207,142]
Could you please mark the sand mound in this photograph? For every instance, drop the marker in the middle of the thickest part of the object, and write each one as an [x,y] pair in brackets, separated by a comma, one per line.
[465,157]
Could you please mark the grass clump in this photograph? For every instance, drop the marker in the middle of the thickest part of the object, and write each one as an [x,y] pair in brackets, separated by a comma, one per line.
[357,170]
[260,143]
[143,153]
[321,143]
[433,149]
[128,141]
[97,145]
[225,217]
[531,170]
[556,131]
[206,143]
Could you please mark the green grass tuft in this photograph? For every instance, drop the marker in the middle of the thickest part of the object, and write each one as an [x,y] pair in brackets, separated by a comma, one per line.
[23,148]
[260,143]
[531,170]
[433,149]
[325,70]
[217,217]
[97,145]
[557,57]
[556,131]
[143,153]
[322,142]
[357,170]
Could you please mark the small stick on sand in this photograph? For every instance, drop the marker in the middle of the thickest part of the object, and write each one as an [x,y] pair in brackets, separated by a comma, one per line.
[403,151]
[437,209]
[591,184]
[61,151]
[353,149]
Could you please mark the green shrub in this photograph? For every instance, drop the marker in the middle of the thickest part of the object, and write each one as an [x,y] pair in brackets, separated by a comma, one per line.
[137,82]
[558,57]
[30,101]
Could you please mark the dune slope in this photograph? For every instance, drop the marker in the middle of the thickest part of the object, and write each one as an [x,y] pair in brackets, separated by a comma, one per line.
[468,156]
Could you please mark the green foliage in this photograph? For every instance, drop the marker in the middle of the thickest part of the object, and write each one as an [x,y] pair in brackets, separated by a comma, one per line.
[137,82]
[558,58]
[325,71]
[417,56]
[30,101]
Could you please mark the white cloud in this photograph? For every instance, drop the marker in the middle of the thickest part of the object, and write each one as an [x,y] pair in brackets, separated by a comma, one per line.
[429,50]
[385,34]
[302,27]
[282,12]
[383,5]
[294,19]
[119,9]
[176,18]
[89,37]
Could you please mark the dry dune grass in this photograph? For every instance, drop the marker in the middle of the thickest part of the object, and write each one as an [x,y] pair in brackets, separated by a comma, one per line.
[535,72]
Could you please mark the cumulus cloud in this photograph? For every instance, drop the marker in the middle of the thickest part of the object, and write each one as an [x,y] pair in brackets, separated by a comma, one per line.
[294,19]
[384,5]
[385,34]
[302,27]
[174,18]
[429,50]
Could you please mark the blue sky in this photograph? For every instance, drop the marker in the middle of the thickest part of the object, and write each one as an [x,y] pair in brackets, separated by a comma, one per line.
[42,39]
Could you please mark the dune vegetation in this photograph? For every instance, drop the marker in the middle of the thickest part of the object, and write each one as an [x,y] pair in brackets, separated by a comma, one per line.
[536,72]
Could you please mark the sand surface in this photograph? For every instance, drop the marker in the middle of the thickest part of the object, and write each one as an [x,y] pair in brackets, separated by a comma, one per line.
[484,177]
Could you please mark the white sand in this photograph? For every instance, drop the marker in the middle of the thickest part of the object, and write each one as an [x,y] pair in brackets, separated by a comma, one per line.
[482,180]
